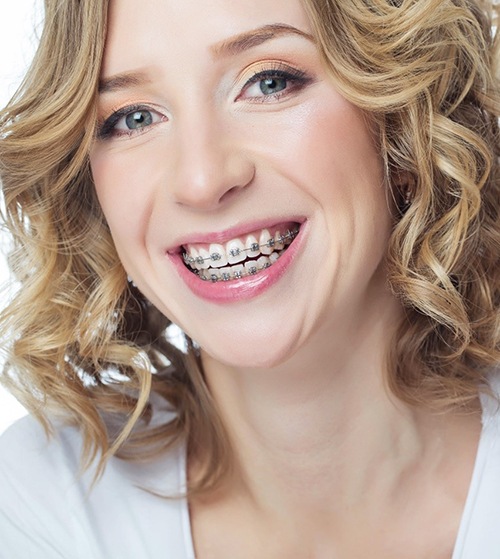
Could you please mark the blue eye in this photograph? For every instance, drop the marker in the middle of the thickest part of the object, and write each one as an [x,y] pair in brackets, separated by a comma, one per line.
[128,121]
[138,119]
[272,84]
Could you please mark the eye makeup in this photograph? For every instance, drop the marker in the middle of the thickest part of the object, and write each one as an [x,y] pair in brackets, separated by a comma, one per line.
[145,117]
[274,80]
[268,82]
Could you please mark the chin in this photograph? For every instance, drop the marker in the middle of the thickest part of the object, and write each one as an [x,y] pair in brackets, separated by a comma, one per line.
[265,352]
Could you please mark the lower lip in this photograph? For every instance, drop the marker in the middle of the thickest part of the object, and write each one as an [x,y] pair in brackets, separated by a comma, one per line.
[244,288]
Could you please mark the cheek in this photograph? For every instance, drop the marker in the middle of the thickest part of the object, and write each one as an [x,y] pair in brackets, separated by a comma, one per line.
[328,148]
[124,184]
[344,151]
[340,166]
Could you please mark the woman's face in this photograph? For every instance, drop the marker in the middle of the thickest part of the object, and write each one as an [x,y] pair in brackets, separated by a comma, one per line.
[222,144]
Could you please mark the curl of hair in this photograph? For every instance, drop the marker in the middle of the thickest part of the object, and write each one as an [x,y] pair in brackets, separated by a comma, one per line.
[81,341]
[425,71]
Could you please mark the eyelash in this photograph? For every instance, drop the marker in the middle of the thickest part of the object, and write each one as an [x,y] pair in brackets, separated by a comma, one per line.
[296,81]
[106,129]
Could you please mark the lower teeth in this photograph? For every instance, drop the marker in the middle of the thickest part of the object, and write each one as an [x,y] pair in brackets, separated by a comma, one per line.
[239,272]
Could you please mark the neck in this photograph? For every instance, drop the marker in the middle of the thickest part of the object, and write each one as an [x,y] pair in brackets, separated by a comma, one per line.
[291,420]
[320,434]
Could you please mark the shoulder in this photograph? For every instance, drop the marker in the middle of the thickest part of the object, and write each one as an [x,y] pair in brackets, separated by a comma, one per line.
[479,530]
[49,509]
[26,448]
[30,461]
[34,474]
[490,401]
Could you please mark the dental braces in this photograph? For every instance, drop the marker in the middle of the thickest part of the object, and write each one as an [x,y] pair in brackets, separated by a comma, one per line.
[225,276]
[289,236]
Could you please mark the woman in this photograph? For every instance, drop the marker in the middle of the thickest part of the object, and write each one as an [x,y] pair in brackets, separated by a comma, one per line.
[310,190]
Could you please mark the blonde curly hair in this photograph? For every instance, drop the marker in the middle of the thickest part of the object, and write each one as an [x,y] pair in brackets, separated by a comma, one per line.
[82,342]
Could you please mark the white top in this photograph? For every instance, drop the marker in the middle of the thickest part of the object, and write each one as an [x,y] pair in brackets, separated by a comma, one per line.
[479,532]
[48,512]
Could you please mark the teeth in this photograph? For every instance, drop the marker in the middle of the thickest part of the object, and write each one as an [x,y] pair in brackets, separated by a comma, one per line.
[251,268]
[218,257]
[205,255]
[266,242]
[252,246]
[213,274]
[235,251]
[263,262]
[238,271]
[195,255]
[211,264]
[279,241]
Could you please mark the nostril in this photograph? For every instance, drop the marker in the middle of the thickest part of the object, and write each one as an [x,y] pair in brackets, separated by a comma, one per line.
[235,190]
[207,190]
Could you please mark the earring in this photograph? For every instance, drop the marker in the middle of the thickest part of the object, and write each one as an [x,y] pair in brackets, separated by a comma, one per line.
[406,197]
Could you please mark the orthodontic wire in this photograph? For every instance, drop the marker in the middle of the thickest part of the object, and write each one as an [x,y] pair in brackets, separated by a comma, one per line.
[215,256]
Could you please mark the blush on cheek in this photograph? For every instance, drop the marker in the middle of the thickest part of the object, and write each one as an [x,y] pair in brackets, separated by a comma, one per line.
[124,190]
[102,170]
[332,148]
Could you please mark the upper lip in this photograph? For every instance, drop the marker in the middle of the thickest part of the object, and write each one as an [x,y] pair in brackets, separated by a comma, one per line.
[226,235]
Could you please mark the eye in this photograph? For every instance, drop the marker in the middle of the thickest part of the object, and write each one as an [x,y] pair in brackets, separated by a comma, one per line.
[273,83]
[129,121]
[136,120]
[268,86]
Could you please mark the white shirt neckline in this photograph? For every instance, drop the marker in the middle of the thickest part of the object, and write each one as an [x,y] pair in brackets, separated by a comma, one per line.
[488,437]
[472,530]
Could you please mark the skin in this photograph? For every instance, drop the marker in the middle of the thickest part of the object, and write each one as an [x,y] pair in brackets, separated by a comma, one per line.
[328,464]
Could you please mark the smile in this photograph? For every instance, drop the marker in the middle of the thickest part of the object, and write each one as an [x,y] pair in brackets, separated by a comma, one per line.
[240,257]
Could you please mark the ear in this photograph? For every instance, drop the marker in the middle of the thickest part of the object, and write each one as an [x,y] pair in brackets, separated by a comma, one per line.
[403,186]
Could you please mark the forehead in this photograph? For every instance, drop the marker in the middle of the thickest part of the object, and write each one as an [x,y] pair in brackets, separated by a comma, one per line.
[151,31]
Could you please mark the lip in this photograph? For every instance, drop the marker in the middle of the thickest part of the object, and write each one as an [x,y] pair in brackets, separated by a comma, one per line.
[246,287]
[226,235]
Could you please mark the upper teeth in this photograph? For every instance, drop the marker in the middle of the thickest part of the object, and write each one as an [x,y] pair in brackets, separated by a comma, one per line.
[237,250]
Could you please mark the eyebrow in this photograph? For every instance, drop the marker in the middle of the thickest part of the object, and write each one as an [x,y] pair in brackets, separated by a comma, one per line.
[126,80]
[235,45]
[256,37]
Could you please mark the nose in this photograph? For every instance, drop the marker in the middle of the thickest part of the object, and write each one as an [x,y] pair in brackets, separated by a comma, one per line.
[210,166]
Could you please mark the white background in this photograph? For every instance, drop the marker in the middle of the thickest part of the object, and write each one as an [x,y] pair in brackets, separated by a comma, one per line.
[18,38]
